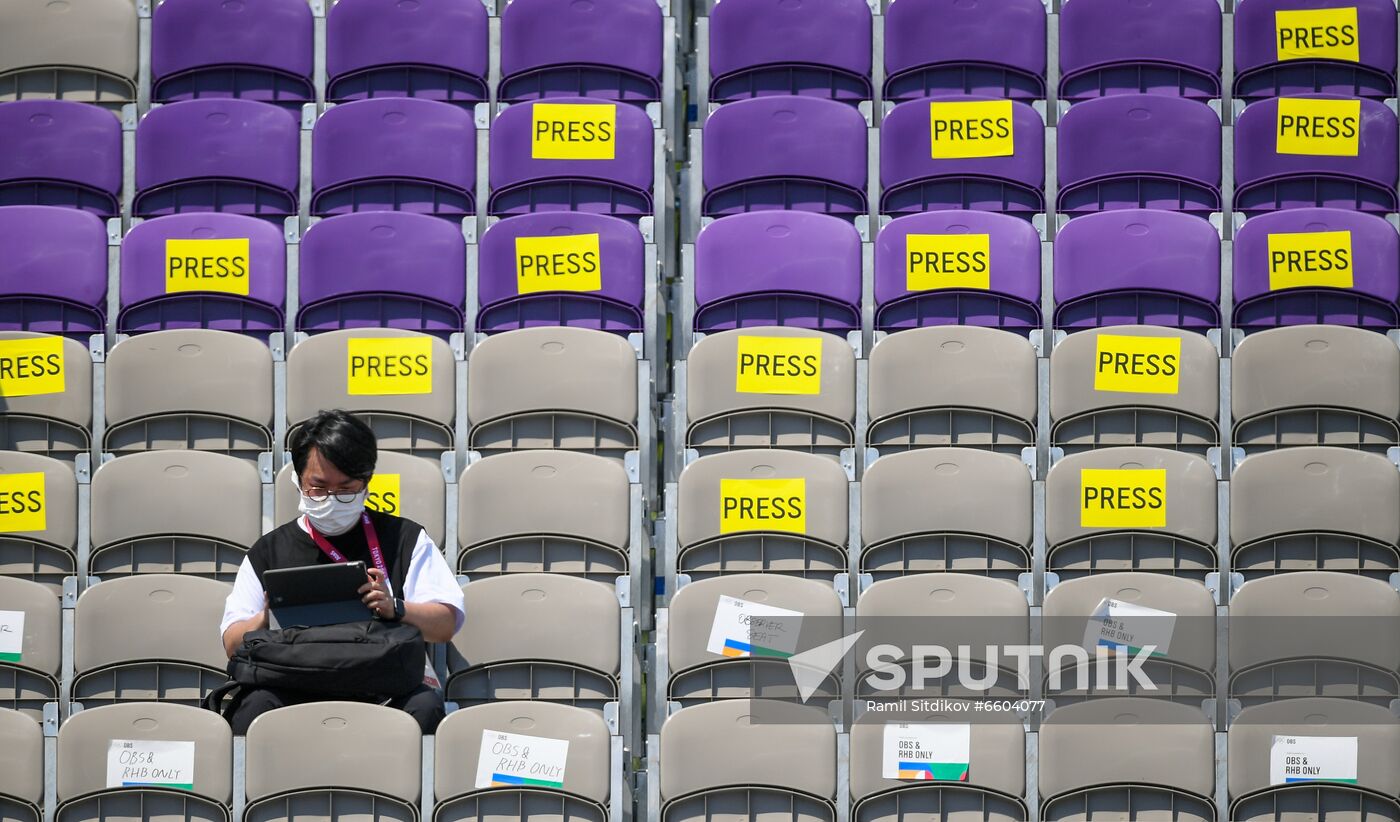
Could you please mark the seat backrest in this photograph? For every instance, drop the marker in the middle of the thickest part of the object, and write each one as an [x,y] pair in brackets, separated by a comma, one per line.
[957,268]
[383,269]
[222,271]
[378,48]
[402,485]
[1315,150]
[401,382]
[194,752]
[1137,266]
[30,647]
[61,153]
[559,512]
[996,762]
[469,752]
[978,390]
[941,153]
[765,47]
[1135,385]
[166,512]
[947,47]
[45,394]
[189,388]
[40,523]
[50,53]
[317,745]
[1300,385]
[1150,48]
[771,388]
[1131,509]
[572,154]
[394,154]
[1277,52]
[21,763]
[1316,265]
[54,272]
[562,268]
[204,48]
[1340,736]
[762,511]
[555,48]
[769,268]
[946,509]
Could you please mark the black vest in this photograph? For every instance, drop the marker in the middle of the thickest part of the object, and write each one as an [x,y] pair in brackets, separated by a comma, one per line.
[289,546]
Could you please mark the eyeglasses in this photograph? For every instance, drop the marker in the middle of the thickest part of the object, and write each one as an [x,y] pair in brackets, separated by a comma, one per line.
[321,495]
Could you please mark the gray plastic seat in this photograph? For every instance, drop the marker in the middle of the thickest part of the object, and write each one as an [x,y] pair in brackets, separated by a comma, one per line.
[1183,671]
[1315,509]
[53,421]
[1315,633]
[195,389]
[83,742]
[56,51]
[21,767]
[1316,385]
[946,509]
[1127,758]
[573,389]
[951,611]
[716,538]
[719,416]
[993,791]
[32,681]
[174,512]
[748,760]
[1135,408]
[403,485]
[1256,796]
[586,784]
[952,385]
[44,554]
[1183,544]
[414,414]
[308,762]
[125,651]
[697,675]
[545,637]
[557,512]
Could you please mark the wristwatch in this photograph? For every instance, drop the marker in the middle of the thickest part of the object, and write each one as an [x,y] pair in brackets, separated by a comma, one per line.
[398,611]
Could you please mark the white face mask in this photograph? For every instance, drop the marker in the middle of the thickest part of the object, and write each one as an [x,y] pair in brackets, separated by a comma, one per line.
[330,516]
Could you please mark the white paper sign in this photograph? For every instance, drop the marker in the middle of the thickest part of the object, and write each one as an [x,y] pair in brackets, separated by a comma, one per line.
[514,760]
[927,752]
[752,629]
[1116,624]
[150,762]
[11,636]
[1312,759]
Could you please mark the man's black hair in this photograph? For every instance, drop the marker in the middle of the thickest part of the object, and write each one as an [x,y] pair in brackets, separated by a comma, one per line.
[342,438]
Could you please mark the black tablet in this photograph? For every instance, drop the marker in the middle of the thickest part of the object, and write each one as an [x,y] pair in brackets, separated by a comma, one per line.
[316,594]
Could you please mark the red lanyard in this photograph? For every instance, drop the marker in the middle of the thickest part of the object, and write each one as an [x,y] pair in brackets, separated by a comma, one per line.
[370,537]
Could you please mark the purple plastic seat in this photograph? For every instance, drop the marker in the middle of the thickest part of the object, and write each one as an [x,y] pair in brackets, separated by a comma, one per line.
[945,47]
[53,270]
[60,153]
[1268,181]
[605,50]
[1139,151]
[760,48]
[1354,57]
[771,268]
[394,154]
[388,48]
[914,181]
[1011,264]
[786,153]
[509,303]
[1304,281]
[249,49]
[383,270]
[150,303]
[1169,47]
[620,187]
[233,156]
[1137,267]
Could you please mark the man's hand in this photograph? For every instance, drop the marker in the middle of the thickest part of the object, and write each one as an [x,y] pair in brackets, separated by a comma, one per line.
[375,595]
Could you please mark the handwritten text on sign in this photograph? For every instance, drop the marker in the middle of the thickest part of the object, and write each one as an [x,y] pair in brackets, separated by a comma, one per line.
[749,629]
[514,760]
[150,762]
[11,636]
